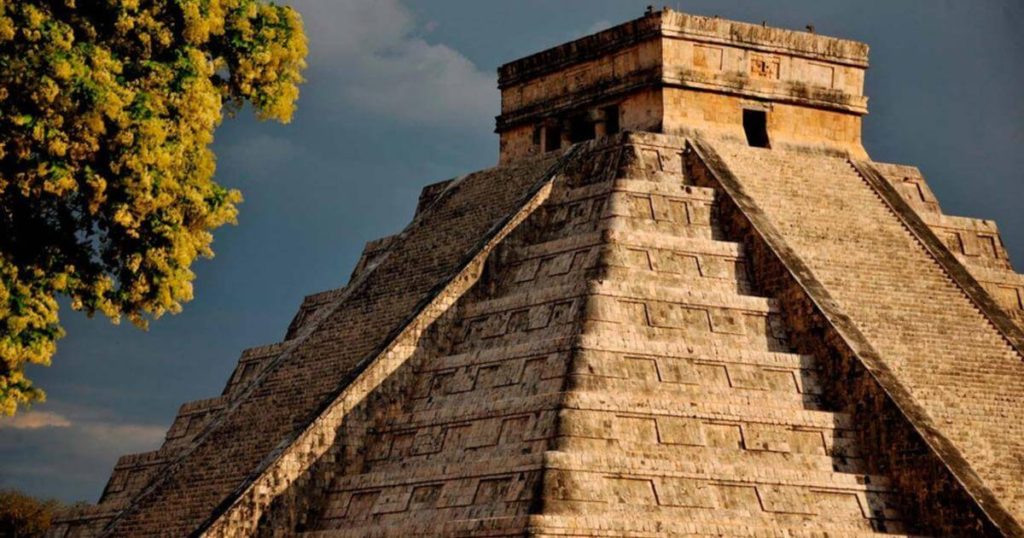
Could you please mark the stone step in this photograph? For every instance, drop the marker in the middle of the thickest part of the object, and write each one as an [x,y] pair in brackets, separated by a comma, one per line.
[664,206]
[724,279]
[385,457]
[617,526]
[614,520]
[739,393]
[686,292]
[466,387]
[614,465]
[540,366]
[541,526]
[703,230]
[731,433]
[779,455]
[311,309]
[533,348]
[645,309]
[192,417]
[531,367]
[503,430]
[530,297]
[252,361]
[486,418]
[695,402]
[750,332]
[794,454]
[684,350]
[603,356]
[513,330]
[659,258]
[617,484]
[848,516]
[461,389]
[639,239]
[82,520]
[830,523]
[654,371]
[454,476]
[422,524]
[750,411]
[668,306]
[634,186]
[658,420]
[132,473]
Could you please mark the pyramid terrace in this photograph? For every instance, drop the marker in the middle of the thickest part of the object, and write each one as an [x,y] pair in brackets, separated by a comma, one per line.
[685,303]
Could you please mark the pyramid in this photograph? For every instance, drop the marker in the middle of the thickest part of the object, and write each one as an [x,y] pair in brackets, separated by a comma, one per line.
[686,303]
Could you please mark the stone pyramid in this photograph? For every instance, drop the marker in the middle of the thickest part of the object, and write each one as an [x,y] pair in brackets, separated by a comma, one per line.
[686,303]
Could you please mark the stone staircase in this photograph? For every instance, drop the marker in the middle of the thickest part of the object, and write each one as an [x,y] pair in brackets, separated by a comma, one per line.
[688,413]
[614,373]
[976,243]
[929,338]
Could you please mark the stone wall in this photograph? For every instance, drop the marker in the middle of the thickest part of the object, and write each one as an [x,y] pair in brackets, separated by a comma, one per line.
[703,71]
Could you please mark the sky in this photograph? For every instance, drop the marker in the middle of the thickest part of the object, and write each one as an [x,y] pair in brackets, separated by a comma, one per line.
[403,94]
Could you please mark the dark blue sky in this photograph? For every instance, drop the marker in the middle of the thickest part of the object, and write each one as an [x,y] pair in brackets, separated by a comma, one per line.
[402,94]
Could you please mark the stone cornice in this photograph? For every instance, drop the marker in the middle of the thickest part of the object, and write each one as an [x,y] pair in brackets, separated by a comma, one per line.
[581,50]
[674,24]
[764,38]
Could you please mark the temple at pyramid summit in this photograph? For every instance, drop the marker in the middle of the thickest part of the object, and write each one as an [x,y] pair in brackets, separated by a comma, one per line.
[685,302]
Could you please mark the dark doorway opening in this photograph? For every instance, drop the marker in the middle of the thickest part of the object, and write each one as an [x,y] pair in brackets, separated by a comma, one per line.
[580,129]
[755,125]
[552,137]
[611,119]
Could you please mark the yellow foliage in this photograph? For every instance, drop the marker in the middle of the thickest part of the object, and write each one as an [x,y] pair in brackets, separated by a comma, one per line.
[107,194]
[24,516]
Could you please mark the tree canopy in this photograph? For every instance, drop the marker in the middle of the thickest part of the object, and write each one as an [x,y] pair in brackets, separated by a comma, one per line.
[23,516]
[107,113]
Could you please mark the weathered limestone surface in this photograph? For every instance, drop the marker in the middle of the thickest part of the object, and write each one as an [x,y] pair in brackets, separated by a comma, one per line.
[613,360]
[975,242]
[939,464]
[963,372]
[677,73]
[672,334]
[308,373]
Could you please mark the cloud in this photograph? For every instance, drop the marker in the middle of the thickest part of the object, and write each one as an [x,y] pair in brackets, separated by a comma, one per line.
[34,420]
[119,436]
[596,27]
[372,55]
[50,454]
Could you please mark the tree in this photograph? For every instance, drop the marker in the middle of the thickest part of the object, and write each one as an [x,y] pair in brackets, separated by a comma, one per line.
[107,113]
[23,516]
